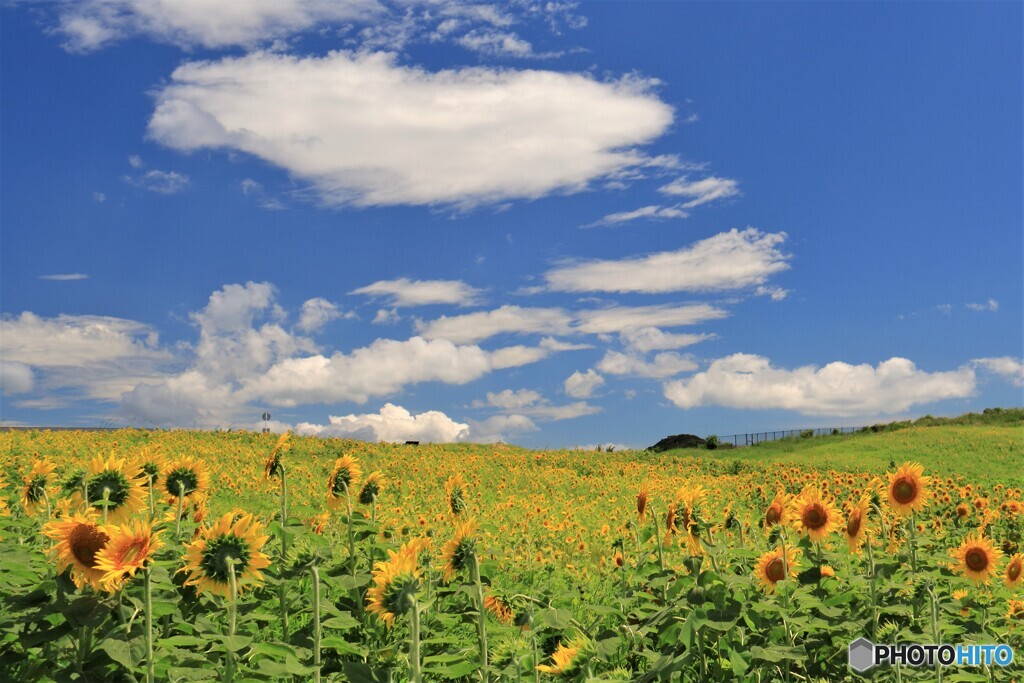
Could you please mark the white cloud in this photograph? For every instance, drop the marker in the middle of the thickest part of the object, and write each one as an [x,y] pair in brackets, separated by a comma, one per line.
[15,378]
[582,384]
[93,24]
[616,319]
[64,277]
[161,182]
[392,424]
[652,212]
[404,292]
[99,197]
[474,327]
[135,161]
[1006,366]
[990,305]
[837,389]
[367,131]
[728,260]
[74,341]
[387,316]
[517,356]
[512,400]
[771,291]
[644,339]
[499,44]
[665,364]
[316,313]
[499,428]
[702,191]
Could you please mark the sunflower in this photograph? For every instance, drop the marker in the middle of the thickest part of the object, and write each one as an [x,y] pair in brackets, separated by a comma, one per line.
[4,511]
[499,608]
[110,484]
[670,521]
[79,540]
[1015,610]
[455,493]
[395,583]
[371,488]
[618,559]
[855,530]
[814,515]
[272,467]
[772,567]
[976,558]
[233,539]
[641,503]
[908,489]
[344,478]
[565,661]
[186,476]
[36,481]
[1014,573]
[460,551]
[777,512]
[130,548]
[149,463]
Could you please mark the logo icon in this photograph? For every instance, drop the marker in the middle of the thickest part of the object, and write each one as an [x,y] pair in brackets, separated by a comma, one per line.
[862,655]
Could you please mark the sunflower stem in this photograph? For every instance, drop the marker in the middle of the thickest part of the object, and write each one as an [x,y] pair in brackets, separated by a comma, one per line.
[315,575]
[661,553]
[351,535]
[481,628]
[536,661]
[232,619]
[282,589]
[148,587]
[935,629]
[152,502]
[874,588]
[177,519]
[106,500]
[913,540]
[414,643]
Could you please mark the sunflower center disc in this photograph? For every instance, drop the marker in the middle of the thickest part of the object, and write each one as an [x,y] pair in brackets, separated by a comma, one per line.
[814,517]
[775,571]
[84,541]
[904,491]
[976,559]
[853,527]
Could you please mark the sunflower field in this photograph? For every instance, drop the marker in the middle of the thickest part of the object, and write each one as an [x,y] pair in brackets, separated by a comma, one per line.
[188,556]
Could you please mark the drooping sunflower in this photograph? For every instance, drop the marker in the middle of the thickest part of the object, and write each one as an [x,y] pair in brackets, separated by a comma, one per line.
[499,608]
[855,530]
[80,538]
[566,661]
[72,482]
[131,547]
[772,568]
[34,494]
[976,558]
[371,489]
[343,480]
[272,466]
[814,515]
[908,488]
[1013,575]
[1015,610]
[641,503]
[777,511]
[455,493]
[232,539]
[113,485]
[186,476]
[460,551]
[395,583]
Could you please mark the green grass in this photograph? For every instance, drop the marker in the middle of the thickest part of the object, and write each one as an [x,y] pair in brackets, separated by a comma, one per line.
[978,452]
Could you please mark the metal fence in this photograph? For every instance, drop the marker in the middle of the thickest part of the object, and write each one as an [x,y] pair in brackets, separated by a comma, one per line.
[754,438]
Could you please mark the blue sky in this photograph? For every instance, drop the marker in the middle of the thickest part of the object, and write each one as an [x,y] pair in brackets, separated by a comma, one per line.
[548,223]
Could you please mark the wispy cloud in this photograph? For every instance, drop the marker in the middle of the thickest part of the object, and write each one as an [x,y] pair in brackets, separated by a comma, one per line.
[64,277]
[728,260]
[161,182]
[653,212]
[404,292]
[702,191]
[991,305]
